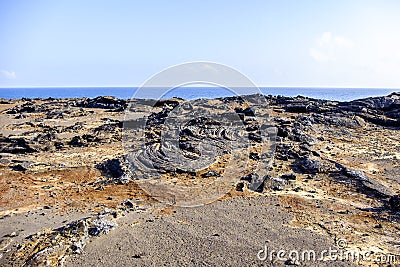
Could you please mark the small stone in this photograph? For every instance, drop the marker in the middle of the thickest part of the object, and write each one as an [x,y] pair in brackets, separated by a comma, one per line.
[278,188]
[289,176]
[292,262]
[21,167]
[210,174]
[256,182]
[297,189]
[239,187]
[129,204]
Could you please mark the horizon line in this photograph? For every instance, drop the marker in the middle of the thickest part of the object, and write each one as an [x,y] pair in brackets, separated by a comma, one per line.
[266,86]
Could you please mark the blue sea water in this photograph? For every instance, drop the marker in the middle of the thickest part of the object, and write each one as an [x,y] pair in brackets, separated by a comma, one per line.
[338,94]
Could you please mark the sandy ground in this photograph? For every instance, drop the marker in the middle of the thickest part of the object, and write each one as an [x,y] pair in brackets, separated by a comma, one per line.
[225,233]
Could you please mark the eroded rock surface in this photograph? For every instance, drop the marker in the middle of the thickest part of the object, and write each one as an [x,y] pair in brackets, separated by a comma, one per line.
[335,165]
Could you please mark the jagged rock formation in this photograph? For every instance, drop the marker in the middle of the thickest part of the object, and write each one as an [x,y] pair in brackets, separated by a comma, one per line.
[195,138]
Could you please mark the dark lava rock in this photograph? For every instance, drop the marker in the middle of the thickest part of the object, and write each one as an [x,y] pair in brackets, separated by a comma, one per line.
[43,138]
[114,169]
[256,137]
[129,204]
[277,188]
[4,101]
[394,203]
[21,167]
[247,178]
[381,120]
[289,176]
[306,138]
[384,111]
[305,147]
[254,156]
[339,118]
[358,175]
[15,146]
[256,182]
[210,174]
[111,167]
[302,104]
[84,140]
[168,102]
[76,141]
[367,185]
[28,107]
[58,145]
[389,102]
[296,108]
[285,152]
[310,165]
[104,102]
[239,187]
[282,132]
[247,111]
[108,127]
[56,114]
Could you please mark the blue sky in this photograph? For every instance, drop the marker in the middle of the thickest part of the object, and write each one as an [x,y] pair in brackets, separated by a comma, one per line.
[275,43]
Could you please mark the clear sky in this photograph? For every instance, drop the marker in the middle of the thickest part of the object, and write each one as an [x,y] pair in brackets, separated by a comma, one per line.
[276,43]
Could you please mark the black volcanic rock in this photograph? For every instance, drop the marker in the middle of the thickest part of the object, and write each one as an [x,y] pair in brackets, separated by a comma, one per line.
[24,108]
[286,152]
[104,102]
[366,184]
[386,103]
[84,140]
[23,166]
[114,170]
[394,203]
[15,146]
[310,165]
[108,127]
[383,111]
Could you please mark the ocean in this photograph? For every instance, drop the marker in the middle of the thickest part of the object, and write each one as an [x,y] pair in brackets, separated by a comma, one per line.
[338,94]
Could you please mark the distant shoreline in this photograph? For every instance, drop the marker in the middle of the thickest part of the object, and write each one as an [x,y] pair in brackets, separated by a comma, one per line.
[188,93]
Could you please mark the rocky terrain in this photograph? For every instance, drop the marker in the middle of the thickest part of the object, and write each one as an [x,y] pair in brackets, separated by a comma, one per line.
[71,191]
